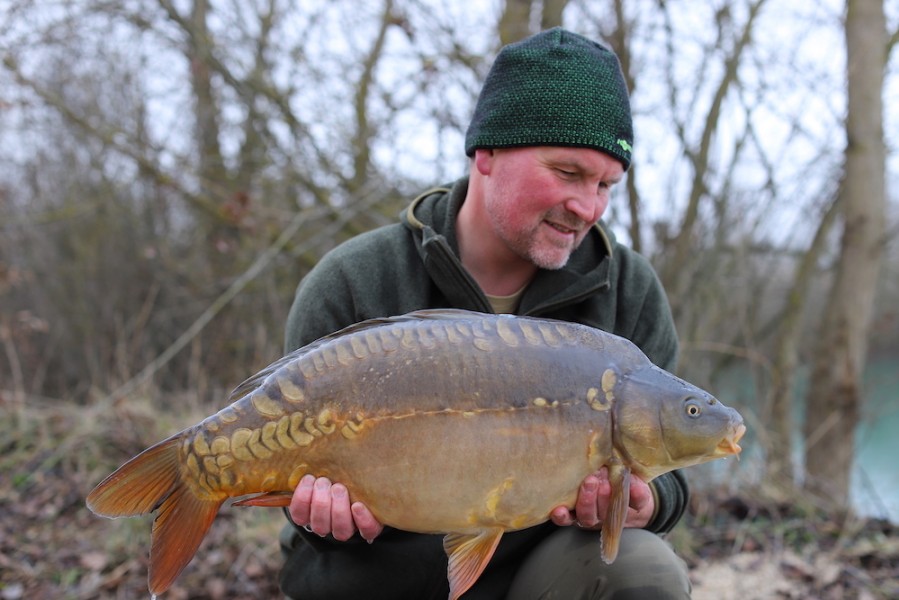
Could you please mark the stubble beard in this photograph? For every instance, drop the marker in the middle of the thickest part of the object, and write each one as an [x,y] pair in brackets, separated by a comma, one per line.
[532,245]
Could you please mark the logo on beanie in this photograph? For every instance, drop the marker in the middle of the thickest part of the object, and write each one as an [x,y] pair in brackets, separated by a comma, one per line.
[625,146]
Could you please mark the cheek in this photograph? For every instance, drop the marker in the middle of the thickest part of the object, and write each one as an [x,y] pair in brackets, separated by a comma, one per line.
[540,195]
[525,194]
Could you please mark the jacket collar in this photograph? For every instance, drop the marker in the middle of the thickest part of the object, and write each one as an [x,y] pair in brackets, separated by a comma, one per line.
[432,219]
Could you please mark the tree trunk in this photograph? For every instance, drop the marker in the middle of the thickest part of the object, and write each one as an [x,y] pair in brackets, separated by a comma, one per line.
[552,13]
[620,39]
[515,22]
[778,419]
[206,108]
[835,393]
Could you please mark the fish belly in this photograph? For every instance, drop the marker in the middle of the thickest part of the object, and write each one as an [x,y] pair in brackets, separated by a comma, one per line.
[455,471]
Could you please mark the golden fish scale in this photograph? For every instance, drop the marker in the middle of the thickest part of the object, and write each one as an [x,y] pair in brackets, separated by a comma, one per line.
[330,410]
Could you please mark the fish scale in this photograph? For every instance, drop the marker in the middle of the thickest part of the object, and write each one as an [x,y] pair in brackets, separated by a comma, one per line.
[441,421]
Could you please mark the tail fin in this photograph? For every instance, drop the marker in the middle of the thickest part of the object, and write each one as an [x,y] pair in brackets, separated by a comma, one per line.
[150,481]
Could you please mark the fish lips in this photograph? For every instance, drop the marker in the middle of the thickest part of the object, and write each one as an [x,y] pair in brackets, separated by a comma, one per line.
[730,444]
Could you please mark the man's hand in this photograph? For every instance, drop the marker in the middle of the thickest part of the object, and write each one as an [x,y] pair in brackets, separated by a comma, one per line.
[323,507]
[593,503]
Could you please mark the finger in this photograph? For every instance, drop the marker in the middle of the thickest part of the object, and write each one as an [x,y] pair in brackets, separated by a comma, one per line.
[301,501]
[586,502]
[342,526]
[368,525]
[641,495]
[641,504]
[603,493]
[586,507]
[320,507]
[562,517]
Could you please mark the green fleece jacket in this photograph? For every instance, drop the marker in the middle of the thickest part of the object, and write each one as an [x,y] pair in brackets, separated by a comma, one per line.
[414,265]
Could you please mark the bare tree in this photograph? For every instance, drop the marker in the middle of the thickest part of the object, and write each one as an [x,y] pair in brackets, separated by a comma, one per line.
[835,396]
[778,418]
[677,276]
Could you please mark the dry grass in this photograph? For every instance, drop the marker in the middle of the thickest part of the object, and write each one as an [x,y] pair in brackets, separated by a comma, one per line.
[52,453]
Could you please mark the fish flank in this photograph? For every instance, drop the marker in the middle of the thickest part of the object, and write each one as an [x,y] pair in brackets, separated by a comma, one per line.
[549,335]
[307,368]
[388,340]
[282,432]
[309,426]
[454,334]
[302,438]
[220,445]
[506,333]
[268,436]
[239,440]
[344,355]
[372,342]
[291,391]
[256,447]
[332,355]
[227,416]
[530,333]
[200,445]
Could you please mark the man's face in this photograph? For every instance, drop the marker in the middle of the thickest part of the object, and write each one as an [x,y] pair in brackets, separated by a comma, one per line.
[542,201]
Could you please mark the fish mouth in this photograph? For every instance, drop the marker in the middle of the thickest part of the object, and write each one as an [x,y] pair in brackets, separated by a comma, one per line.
[730,444]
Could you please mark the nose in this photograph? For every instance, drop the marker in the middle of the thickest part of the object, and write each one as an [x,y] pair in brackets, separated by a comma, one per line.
[588,206]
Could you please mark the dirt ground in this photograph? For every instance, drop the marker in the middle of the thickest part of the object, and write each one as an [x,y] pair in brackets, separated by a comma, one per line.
[51,546]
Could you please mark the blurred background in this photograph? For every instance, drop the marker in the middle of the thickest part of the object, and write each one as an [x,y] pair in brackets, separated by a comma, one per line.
[170,169]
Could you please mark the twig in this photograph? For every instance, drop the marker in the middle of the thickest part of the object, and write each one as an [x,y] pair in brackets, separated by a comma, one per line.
[238,285]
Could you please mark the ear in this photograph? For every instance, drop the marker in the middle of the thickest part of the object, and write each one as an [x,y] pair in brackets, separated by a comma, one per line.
[483,160]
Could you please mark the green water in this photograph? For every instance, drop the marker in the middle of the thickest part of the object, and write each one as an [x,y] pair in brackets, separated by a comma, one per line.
[875,478]
[875,484]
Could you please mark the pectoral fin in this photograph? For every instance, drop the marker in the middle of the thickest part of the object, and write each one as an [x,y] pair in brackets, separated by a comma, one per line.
[468,556]
[612,526]
[269,499]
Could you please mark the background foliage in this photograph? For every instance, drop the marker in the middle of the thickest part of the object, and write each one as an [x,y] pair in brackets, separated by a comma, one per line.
[170,169]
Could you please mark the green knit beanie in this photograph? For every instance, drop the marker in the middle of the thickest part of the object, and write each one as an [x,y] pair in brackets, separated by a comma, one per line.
[555,88]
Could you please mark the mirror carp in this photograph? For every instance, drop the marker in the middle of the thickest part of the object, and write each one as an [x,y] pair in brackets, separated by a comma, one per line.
[440,421]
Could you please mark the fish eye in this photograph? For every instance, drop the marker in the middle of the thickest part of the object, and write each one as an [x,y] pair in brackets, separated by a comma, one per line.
[693,409]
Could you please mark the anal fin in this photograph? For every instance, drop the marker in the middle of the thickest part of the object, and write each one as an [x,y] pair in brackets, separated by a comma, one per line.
[468,557]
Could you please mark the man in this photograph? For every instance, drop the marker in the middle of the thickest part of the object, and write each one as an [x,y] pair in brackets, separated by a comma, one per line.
[551,135]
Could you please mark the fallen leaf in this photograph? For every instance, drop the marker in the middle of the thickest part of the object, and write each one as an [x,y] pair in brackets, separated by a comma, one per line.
[95,561]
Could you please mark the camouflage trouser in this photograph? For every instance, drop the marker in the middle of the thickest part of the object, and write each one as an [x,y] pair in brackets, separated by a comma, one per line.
[567,566]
